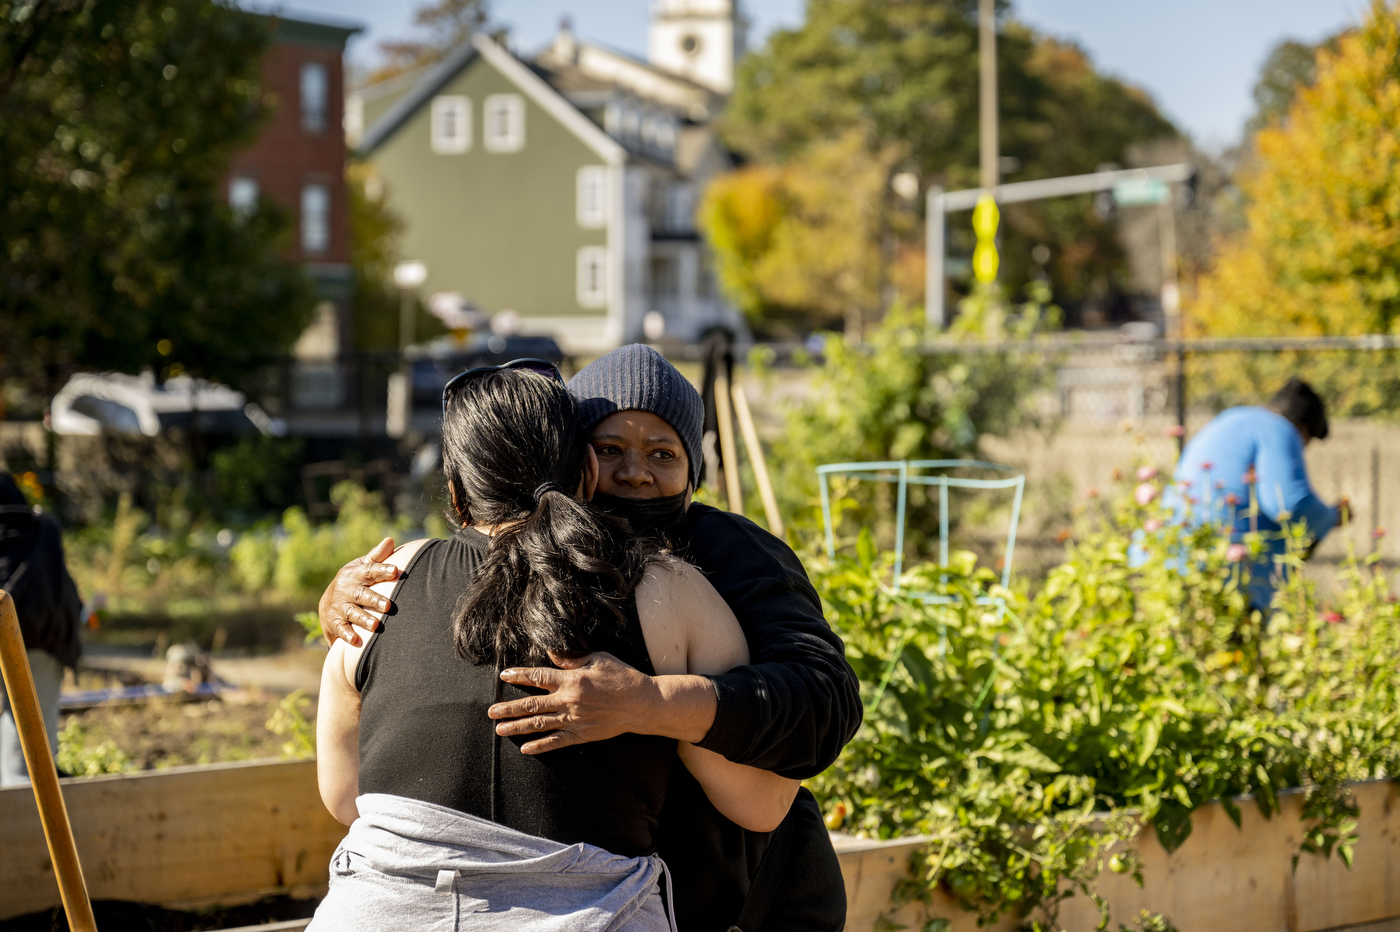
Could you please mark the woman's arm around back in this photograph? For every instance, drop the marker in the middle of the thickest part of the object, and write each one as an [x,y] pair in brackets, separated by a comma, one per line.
[689,629]
[338,714]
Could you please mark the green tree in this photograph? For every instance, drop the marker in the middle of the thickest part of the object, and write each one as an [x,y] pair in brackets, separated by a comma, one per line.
[1290,66]
[801,242]
[117,120]
[903,73]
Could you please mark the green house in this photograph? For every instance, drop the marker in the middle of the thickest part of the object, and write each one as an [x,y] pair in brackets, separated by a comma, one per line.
[562,189]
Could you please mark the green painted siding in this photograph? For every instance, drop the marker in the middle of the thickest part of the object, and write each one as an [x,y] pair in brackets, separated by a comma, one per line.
[500,228]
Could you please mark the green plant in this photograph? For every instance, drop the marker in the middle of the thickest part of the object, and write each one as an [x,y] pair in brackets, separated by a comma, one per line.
[289,721]
[897,397]
[311,622]
[76,759]
[1130,689]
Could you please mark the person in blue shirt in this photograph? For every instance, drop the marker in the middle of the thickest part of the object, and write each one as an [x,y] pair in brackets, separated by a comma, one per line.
[1258,449]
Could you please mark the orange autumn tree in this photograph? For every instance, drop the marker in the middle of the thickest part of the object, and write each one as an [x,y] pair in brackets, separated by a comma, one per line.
[798,244]
[1321,253]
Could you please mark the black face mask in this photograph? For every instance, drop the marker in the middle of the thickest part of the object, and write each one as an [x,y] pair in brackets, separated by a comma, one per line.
[645,515]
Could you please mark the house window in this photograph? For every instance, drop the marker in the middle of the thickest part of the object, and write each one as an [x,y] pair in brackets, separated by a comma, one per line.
[452,125]
[315,218]
[593,276]
[665,278]
[679,207]
[315,96]
[592,199]
[504,118]
[243,195]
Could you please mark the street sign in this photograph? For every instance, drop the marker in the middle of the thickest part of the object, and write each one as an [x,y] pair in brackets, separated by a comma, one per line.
[985,218]
[1140,192]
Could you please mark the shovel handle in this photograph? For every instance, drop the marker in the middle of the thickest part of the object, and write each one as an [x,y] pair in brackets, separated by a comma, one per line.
[43,776]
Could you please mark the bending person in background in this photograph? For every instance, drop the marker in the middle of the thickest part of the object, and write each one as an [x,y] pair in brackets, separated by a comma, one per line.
[445,821]
[33,572]
[790,711]
[1255,454]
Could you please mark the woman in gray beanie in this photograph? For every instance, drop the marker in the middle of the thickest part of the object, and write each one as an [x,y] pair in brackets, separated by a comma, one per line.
[640,409]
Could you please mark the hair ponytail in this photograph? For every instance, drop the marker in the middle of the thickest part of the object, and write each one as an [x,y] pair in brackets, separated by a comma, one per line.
[556,572]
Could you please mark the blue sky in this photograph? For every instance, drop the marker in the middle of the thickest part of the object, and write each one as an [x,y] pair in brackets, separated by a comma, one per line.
[1198,58]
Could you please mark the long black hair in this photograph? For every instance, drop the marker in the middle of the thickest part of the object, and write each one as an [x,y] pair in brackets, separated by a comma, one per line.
[556,573]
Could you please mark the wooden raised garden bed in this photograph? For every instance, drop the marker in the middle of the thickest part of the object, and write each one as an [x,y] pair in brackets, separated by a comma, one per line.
[234,833]
[1222,879]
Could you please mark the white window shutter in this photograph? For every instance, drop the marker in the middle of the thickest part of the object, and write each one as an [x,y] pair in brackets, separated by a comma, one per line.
[592,207]
[593,276]
[503,116]
[451,117]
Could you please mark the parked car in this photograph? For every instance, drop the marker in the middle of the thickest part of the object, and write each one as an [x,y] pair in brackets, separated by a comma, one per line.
[109,402]
[433,364]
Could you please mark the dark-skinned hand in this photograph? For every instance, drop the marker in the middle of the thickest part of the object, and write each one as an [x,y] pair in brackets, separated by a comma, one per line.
[348,601]
[590,698]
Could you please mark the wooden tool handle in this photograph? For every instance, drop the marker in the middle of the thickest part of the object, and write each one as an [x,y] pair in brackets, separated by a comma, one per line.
[43,776]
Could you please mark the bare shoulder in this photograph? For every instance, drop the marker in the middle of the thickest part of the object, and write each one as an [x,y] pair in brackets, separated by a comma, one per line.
[677,586]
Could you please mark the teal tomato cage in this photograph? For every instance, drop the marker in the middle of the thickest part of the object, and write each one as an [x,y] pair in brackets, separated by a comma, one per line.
[908,472]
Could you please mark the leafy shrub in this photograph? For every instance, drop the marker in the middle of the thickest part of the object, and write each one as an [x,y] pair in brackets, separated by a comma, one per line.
[289,720]
[1029,741]
[298,558]
[894,398]
[76,759]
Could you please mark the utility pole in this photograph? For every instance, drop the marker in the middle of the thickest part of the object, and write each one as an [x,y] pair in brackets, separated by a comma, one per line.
[987,60]
[1171,308]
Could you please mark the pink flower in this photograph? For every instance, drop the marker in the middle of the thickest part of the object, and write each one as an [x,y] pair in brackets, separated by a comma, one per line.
[1236,552]
[1231,498]
[1220,483]
[1146,473]
[1207,465]
[1250,476]
[1378,533]
[1091,493]
[1176,430]
[1145,493]
[1184,483]
[1333,618]
[1152,525]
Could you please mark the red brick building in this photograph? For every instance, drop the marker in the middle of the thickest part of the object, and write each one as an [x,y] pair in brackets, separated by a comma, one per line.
[299,163]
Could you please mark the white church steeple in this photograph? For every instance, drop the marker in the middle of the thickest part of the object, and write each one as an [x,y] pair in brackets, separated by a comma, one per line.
[698,39]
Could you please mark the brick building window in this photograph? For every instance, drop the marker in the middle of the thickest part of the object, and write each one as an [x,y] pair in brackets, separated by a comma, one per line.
[593,276]
[243,195]
[592,207]
[315,218]
[504,119]
[315,97]
[451,125]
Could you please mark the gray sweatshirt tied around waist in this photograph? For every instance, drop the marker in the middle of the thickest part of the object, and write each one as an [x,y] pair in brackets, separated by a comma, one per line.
[407,864]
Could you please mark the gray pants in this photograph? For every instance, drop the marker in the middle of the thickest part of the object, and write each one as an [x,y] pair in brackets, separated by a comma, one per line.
[48,678]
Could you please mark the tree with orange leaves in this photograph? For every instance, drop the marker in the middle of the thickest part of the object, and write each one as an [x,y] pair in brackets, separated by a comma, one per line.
[1321,252]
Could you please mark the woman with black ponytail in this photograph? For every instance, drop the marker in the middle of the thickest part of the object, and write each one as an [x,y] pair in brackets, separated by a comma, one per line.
[451,822]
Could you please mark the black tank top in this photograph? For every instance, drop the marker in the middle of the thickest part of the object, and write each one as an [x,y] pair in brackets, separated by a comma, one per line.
[424,733]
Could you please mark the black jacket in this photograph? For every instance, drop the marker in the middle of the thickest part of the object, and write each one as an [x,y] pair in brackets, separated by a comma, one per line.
[33,572]
[791,710]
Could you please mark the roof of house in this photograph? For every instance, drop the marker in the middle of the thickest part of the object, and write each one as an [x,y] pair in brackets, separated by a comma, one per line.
[530,81]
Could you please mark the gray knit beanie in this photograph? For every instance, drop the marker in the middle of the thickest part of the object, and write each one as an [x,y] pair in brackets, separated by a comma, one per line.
[638,378]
